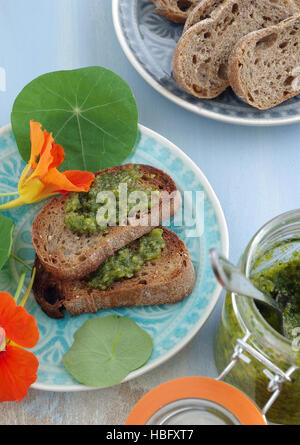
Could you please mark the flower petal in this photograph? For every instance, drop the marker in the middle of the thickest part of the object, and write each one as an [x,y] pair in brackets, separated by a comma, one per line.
[46,158]
[58,155]
[37,141]
[40,178]
[18,371]
[20,327]
[80,178]
[25,177]
[69,181]
[32,191]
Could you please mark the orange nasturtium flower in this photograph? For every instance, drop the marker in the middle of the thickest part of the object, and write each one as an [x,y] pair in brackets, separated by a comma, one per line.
[18,367]
[40,178]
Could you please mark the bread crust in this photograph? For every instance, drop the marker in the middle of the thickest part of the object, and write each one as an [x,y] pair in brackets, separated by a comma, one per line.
[236,65]
[233,72]
[205,8]
[170,10]
[167,280]
[69,256]
[201,12]
[200,59]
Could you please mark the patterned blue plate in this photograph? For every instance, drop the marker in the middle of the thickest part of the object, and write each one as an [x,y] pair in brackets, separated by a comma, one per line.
[171,326]
[148,41]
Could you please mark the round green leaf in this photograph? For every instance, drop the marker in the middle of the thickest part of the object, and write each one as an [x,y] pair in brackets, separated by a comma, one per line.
[6,231]
[106,350]
[91,112]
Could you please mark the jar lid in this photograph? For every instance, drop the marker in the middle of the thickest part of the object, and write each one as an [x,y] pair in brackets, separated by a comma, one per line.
[195,401]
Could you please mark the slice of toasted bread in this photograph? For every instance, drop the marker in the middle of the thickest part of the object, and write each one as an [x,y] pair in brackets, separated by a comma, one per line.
[175,10]
[200,60]
[264,66]
[68,255]
[166,280]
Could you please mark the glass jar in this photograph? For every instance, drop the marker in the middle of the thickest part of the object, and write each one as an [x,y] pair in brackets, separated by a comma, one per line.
[195,401]
[274,360]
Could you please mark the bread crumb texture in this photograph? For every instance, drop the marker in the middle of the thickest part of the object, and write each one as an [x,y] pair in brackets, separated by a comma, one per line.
[265,67]
[200,62]
[175,10]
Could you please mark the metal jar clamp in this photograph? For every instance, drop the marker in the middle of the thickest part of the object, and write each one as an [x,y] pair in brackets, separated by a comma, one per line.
[276,376]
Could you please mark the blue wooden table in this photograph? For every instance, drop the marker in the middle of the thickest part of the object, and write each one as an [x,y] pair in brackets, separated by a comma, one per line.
[254,172]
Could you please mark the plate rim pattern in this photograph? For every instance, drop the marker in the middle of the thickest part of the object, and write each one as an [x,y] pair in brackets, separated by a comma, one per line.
[224,242]
[246,121]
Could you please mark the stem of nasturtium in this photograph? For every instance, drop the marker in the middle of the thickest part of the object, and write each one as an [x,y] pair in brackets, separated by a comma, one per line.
[12,204]
[15,257]
[25,298]
[9,194]
[20,285]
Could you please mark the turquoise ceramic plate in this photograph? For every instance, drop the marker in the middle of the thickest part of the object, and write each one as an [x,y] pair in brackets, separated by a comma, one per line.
[171,326]
[149,40]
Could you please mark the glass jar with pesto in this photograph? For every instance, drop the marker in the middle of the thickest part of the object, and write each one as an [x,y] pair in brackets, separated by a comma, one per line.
[263,351]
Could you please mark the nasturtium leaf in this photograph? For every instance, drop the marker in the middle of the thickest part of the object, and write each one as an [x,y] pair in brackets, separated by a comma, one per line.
[6,234]
[91,112]
[106,350]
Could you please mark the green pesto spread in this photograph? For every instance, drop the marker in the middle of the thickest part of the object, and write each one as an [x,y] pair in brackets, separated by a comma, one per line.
[281,281]
[128,260]
[250,377]
[82,208]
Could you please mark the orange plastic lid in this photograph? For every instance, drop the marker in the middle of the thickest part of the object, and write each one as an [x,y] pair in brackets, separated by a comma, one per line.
[203,388]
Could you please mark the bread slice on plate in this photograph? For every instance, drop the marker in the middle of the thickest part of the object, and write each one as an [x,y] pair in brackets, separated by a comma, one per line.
[204,9]
[264,66]
[69,255]
[201,11]
[200,60]
[175,10]
[165,280]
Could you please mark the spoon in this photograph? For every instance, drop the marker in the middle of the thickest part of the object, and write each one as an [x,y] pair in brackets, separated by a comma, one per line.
[233,280]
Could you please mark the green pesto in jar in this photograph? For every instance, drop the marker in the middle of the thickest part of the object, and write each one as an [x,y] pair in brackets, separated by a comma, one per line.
[81,209]
[281,281]
[128,260]
[250,377]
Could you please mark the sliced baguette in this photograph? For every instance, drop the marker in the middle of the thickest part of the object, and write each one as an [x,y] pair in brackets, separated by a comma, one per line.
[175,10]
[166,280]
[201,11]
[68,255]
[264,66]
[200,60]
[204,9]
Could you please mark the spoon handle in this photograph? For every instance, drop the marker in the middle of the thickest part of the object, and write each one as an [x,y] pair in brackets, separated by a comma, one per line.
[232,279]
